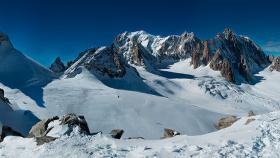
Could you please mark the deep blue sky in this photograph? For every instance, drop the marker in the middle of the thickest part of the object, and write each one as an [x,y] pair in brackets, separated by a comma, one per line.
[44,29]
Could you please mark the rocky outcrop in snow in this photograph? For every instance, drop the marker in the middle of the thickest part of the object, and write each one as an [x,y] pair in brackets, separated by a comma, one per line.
[49,129]
[168,133]
[117,133]
[103,61]
[57,66]
[275,64]
[7,131]
[226,122]
[2,96]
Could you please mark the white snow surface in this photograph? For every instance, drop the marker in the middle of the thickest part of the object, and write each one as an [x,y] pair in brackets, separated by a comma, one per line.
[259,138]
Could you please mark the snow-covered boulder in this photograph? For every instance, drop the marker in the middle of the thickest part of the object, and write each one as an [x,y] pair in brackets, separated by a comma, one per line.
[52,128]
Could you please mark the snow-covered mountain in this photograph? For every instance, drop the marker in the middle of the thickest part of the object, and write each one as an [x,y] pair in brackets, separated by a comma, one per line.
[237,57]
[144,83]
[20,72]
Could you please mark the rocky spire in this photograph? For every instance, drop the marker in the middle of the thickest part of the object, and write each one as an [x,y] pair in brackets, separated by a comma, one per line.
[57,66]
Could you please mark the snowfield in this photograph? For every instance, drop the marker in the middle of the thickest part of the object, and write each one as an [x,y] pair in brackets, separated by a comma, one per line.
[259,138]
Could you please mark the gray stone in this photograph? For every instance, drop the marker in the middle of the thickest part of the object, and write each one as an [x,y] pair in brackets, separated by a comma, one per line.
[226,122]
[168,133]
[44,139]
[117,133]
[41,129]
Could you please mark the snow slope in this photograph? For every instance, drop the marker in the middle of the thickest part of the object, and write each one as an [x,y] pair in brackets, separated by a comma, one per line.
[259,138]
[189,101]
[18,71]
[140,114]
[19,120]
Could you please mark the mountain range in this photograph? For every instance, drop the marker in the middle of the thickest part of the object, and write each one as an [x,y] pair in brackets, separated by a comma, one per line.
[142,84]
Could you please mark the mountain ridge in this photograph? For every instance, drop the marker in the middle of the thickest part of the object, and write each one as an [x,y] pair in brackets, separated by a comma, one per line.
[237,57]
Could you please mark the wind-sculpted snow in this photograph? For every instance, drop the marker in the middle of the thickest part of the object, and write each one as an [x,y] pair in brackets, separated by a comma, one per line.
[259,138]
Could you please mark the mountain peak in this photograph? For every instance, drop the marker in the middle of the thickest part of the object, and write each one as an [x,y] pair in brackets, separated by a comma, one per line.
[4,40]
[228,33]
[57,66]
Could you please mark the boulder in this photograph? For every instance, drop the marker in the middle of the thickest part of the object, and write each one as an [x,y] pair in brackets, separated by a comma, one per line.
[8,131]
[73,120]
[251,113]
[168,133]
[49,129]
[117,133]
[41,128]
[226,122]
[44,139]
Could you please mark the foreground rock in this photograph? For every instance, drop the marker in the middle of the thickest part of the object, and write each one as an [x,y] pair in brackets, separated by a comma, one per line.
[7,131]
[117,133]
[2,96]
[168,133]
[226,122]
[49,129]
[41,128]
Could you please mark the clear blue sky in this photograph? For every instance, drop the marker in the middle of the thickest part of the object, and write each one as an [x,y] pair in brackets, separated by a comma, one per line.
[44,29]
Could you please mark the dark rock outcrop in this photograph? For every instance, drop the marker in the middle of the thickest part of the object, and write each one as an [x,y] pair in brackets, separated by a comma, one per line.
[226,122]
[168,133]
[2,96]
[44,139]
[8,131]
[117,133]
[104,61]
[57,66]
